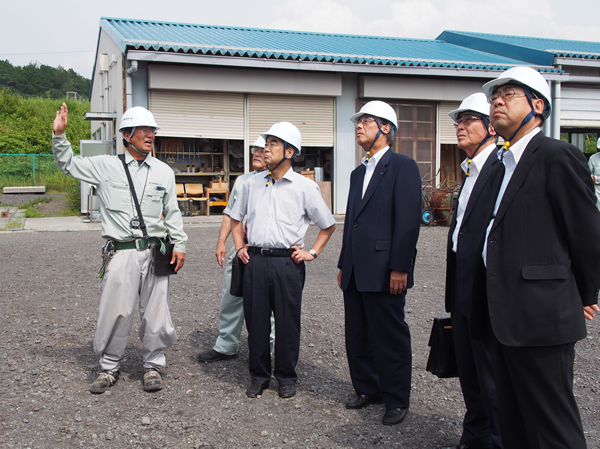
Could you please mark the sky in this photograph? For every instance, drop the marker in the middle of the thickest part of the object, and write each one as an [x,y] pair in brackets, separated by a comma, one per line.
[65,32]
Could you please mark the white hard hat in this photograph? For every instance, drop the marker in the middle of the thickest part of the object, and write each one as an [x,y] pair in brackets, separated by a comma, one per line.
[476,103]
[260,142]
[378,109]
[137,116]
[286,132]
[526,76]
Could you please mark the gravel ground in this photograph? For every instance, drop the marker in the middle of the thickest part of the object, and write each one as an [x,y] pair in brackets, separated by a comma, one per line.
[52,208]
[49,295]
[17,199]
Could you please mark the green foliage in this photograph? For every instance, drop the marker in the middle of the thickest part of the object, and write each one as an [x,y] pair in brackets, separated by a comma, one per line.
[590,141]
[38,80]
[26,128]
[73,195]
[26,123]
[56,182]
[31,211]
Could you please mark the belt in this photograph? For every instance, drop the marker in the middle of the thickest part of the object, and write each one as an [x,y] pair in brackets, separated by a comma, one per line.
[139,244]
[271,252]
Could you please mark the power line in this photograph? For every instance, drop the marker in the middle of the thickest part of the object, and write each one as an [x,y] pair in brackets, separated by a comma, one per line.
[47,53]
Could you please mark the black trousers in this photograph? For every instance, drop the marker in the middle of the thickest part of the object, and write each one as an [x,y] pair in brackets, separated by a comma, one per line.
[378,345]
[536,405]
[481,428]
[273,284]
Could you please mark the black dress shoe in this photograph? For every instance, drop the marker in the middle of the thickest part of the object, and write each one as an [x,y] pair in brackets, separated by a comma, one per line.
[360,401]
[214,356]
[460,446]
[255,390]
[394,416]
[287,391]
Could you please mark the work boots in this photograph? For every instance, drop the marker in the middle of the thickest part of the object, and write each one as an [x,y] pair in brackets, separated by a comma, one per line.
[152,380]
[104,381]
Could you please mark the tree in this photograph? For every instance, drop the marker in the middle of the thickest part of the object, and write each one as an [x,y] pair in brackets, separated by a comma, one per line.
[38,80]
[26,123]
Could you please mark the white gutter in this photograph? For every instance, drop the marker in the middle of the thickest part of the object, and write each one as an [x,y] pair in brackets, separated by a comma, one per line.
[264,63]
[128,84]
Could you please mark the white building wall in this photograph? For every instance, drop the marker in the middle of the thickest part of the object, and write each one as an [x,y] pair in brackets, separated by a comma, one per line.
[424,89]
[249,81]
[107,87]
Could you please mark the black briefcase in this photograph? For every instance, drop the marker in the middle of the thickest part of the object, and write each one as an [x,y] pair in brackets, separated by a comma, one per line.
[442,358]
[237,277]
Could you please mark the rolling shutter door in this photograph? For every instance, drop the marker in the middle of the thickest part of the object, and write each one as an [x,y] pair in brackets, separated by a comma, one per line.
[447,131]
[314,116]
[579,106]
[212,115]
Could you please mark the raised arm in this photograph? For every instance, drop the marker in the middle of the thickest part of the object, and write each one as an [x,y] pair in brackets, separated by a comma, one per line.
[60,122]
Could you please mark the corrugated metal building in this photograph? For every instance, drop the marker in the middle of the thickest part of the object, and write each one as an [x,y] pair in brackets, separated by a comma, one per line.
[576,98]
[214,88]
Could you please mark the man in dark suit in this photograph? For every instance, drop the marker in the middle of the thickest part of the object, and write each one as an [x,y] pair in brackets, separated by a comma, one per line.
[376,264]
[465,272]
[543,259]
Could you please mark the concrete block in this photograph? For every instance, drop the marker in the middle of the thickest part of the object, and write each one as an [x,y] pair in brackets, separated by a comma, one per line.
[26,189]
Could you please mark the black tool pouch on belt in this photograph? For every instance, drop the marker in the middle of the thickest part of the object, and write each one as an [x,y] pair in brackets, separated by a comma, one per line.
[161,263]
[161,254]
[237,277]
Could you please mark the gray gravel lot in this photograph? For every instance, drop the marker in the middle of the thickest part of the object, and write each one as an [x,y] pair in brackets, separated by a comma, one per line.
[22,198]
[49,297]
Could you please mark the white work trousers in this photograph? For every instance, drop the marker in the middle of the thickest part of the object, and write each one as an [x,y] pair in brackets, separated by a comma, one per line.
[128,277]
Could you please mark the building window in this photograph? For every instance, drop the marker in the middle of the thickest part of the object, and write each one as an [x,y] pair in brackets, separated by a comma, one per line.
[416,133]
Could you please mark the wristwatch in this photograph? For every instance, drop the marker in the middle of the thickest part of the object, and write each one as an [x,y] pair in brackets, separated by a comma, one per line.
[313,253]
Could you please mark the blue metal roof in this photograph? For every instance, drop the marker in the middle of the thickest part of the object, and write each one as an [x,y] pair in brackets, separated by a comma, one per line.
[538,50]
[297,45]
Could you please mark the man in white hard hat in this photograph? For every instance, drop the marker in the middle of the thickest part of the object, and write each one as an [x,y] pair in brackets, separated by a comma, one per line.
[231,316]
[465,272]
[594,165]
[126,272]
[542,272]
[381,230]
[279,205]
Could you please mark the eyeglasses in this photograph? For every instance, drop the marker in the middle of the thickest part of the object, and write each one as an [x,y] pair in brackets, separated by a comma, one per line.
[364,119]
[506,95]
[258,150]
[466,119]
[146,131]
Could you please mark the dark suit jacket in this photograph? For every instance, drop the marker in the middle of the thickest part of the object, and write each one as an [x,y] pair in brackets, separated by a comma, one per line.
[543,256]
[381,230]
[465,271]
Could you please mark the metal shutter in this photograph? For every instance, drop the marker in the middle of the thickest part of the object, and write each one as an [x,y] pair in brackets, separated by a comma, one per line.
[447,131]
[212,115]
[579,106]
[314,116]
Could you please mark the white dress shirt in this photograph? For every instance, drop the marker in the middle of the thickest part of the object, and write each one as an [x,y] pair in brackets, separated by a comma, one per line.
[370,165]
[511,158]
[278,214]
[463,200]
